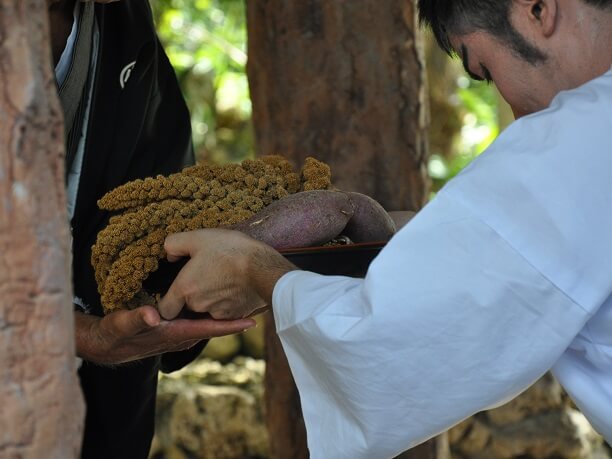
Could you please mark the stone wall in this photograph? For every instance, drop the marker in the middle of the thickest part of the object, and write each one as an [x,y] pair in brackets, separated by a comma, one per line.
[211,410]
[541,423]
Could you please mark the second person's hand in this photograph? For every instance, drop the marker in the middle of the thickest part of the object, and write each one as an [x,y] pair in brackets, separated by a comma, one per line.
[123,336]
[230,275]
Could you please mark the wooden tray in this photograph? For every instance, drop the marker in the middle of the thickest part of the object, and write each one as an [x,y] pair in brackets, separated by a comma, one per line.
[345,260]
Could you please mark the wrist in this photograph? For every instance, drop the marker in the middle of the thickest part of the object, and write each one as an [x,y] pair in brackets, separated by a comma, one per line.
[90,345]
[267,268]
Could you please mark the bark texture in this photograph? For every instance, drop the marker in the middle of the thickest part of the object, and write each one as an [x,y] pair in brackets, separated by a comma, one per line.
[42,408]
[342,81]
[286,428]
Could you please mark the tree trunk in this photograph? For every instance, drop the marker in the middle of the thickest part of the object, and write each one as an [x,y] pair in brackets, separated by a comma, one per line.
[287,431]
[42,408]
[344,82]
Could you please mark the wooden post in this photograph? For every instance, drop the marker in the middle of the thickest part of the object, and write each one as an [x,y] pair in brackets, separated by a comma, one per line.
[42,407]
[344,82]
[284,420]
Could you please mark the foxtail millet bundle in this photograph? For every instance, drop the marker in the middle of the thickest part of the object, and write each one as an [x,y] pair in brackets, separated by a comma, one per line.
[200,196]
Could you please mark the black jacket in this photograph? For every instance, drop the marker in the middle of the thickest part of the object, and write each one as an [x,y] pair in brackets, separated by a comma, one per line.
[139,130]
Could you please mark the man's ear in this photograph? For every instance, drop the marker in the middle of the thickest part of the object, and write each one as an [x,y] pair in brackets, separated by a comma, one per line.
[539,13]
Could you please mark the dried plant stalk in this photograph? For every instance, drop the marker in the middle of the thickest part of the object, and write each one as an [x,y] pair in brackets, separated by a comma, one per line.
[200,196]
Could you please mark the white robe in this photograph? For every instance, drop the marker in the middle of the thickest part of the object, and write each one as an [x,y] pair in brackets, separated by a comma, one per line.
[505,275]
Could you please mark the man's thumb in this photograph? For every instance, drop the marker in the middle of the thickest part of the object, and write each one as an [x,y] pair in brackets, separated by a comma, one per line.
[177,245]
[171,303]
[139,320]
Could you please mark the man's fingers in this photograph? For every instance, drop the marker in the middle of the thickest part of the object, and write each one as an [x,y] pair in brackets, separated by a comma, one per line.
[150,316]
[172,302]
[189,329]
[130,323]
[259,310]
[229,327]
[173,258]
[178,245]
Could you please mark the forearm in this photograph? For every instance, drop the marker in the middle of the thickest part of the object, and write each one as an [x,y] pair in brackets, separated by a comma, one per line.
[450,320]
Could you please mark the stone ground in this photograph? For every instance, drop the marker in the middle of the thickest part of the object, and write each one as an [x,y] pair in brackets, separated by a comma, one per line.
[211,410]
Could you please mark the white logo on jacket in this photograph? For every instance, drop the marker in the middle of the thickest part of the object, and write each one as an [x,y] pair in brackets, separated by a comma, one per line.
[126,73]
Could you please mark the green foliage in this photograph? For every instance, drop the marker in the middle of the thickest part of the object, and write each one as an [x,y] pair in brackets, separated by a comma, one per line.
[206,43]
[478,106]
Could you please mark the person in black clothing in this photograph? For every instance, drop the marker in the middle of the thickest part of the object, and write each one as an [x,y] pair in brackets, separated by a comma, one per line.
[125,119]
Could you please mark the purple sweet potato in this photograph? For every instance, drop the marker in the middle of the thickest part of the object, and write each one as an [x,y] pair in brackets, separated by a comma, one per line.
[370,222]
[401,217]
[303,219]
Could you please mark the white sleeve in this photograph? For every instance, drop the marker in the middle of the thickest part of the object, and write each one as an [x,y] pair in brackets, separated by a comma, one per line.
[450,320]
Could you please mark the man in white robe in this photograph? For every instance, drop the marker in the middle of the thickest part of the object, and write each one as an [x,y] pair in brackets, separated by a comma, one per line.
[505,275]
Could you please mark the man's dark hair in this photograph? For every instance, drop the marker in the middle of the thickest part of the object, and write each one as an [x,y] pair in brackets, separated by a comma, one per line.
[602,4]
[492,16]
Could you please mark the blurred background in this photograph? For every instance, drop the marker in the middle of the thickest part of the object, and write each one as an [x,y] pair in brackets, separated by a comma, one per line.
[206,43]
[215,407]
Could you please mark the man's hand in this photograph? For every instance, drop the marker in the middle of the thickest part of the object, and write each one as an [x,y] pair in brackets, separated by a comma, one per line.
[123,336]
[229,275]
